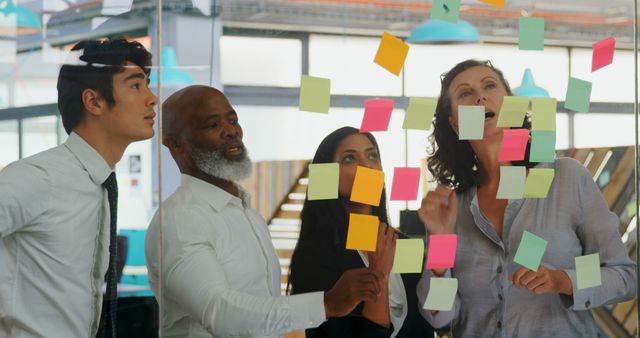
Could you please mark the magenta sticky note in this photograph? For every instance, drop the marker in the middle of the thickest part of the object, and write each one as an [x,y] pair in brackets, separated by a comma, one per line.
[514,144]
[377,114]
[442,251]
[405,184]
[603,53]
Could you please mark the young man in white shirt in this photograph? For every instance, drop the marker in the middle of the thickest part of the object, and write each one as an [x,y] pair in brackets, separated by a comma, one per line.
[220,275]
[55,217]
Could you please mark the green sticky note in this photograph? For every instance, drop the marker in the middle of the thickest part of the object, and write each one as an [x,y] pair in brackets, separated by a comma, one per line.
[530,251]
[543,146]
[588,271]
[448,10]
[442,294]
[409,256]
[513,110]
[315,94]
[470,122]
[323,181]
[419,113]
[538,182]
[531,34]
[543,113]
[512,180]
[631,209]
[578,95]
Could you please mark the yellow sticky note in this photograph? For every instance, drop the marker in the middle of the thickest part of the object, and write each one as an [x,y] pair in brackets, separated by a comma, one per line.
[363,232]
[409,256]
[543,113]
[391,53]
[538,182]
[367,186]
[497,3]
[513,110]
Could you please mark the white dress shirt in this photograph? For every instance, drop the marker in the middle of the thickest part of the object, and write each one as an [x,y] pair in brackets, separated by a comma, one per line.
[221,275]
[54,242]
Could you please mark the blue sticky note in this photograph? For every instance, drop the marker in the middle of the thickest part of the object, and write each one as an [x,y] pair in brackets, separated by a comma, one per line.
[530,251]
[543,146]
[578,95]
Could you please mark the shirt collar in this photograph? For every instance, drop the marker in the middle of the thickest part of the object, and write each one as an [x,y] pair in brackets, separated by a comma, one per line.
[213,195]
[90,159]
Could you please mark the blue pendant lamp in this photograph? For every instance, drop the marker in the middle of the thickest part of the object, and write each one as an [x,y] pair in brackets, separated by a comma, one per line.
[27,22]
[171,74]
[437,31]
[529,88]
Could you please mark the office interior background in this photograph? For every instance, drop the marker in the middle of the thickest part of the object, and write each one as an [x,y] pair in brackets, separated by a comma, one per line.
[256,52]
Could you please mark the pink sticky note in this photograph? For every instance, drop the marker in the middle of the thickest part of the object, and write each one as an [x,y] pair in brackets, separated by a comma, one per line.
[442,251]
[377,114]
[514,144]
[603,53]
[405,184]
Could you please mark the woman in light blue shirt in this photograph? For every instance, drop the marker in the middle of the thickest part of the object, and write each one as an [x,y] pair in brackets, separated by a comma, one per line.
[497,297]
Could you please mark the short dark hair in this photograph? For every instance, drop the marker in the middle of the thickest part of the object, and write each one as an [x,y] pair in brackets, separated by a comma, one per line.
[450,160]
[102,60]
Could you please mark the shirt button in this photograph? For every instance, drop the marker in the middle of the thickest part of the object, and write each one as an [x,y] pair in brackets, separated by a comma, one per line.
[587,304]
[499,324]
[500,297]
[499,270]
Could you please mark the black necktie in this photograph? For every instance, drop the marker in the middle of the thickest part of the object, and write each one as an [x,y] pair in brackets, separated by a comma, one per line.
[112,283]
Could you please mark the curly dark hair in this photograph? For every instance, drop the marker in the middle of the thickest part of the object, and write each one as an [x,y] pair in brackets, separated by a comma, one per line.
[450,160]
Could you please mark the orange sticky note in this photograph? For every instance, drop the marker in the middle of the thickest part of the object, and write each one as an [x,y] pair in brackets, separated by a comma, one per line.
[367,186]
[363,232]
[497,3]
[392,53]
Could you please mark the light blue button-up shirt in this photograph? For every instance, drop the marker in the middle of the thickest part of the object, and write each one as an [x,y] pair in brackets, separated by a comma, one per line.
[54,242]
[576,221]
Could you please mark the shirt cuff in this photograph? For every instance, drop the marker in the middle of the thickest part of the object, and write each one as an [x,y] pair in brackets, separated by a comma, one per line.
[307,310]
[581,299]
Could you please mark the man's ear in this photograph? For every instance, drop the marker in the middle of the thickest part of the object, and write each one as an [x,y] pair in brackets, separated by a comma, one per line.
[93,102]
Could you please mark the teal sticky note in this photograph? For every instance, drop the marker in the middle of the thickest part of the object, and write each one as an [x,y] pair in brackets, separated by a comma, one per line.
[543,113]
[512,179]
[442,294]
[323,181]
[604,178]
[538,182]
[543,146]
[470,122]
[531,34]
[512,111]
[315,94]
[530,251]
[448,10]
[420,113]
[409,256]
[588,271]
[578,95]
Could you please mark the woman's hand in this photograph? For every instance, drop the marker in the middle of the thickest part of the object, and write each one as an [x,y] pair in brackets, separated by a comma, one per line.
[438,210]
[382,259]
[544,281]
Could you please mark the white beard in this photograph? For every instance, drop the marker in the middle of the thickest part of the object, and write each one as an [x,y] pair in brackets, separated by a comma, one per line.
[215,164]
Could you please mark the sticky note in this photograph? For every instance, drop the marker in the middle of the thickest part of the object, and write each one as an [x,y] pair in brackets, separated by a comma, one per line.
[405,184]
[442,294]
[588,271]
[367,186]
[530,251]
[323,181]
[470,122]
[602,53]
[442,251]
[512,181]
[420,113]
[631,209]
[604,178]
[531,34]
[315,94]
[578,95]
[363,232]
[514,144]
[377,114]
[538,182]
[391,54]
[409,256]
[513,110]
[447,10]
[543,113]
[497,3]
[543,146]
